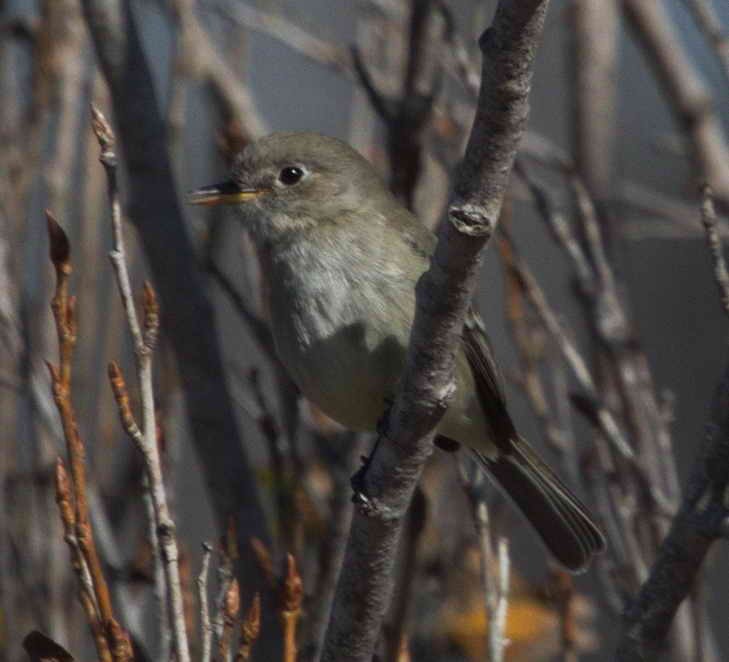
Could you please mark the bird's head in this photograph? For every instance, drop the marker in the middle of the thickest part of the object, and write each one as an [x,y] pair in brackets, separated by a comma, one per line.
[289,182]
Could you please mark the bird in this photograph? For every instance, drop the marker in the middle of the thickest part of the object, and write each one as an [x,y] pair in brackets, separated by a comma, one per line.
[342,257]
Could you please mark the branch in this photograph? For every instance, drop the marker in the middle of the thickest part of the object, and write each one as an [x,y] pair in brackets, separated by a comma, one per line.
[593,60]
[709,221]
[291,598]
[443,296]
[709,23]
[206,629]
[144,339]
[702,519]
[155,211]
[98,604]
[685,91]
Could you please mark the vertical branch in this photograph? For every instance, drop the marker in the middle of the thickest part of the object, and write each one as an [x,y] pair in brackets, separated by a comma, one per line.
[168,250]
[443,296]
[65,499]
[594,45]
[144,339]
[397,636]
[206,629]
[494,568]
[63,307]
[250,628]
[293,593]
[231,607]
[709,221]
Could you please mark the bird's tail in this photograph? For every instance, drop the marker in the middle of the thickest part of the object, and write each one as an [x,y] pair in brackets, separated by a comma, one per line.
[562,522]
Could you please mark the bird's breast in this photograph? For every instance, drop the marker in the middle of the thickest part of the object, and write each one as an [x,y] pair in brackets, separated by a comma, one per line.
[341,333]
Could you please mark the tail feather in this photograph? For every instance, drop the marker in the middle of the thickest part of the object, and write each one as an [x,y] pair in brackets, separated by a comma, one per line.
[560,519]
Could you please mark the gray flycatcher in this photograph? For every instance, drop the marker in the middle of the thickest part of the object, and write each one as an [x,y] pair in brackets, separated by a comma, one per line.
[342,257]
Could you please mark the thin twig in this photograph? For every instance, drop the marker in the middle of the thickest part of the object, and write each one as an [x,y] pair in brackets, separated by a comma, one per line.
[231,607]
[225,580]
[709,220]
[604,418]
[206,630]
[65,499]
[293,594]
[63,306]
[497,626]
[250,628]
[144,340]
[167,246]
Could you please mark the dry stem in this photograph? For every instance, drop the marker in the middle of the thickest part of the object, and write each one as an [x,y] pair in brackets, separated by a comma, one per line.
[146,438]
[202,592]
[293,594]
[63,306]
[250,628]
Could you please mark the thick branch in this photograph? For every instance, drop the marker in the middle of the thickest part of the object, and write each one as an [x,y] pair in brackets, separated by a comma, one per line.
[443,297]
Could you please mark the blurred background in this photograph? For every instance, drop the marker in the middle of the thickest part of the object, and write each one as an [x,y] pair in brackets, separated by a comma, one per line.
[630,113]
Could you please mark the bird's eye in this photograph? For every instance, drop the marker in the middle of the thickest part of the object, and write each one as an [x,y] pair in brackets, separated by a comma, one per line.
[290,175]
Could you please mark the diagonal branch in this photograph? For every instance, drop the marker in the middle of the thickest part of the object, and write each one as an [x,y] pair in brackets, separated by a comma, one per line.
[702,519]
[443,297]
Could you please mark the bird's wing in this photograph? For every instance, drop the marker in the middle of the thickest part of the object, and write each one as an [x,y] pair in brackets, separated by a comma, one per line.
[489,381]
[475,341]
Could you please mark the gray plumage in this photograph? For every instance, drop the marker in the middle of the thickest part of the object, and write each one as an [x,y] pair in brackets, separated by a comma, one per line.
[342,257]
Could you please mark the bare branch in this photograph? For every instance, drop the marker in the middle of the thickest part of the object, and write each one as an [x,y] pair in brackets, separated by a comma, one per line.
[594,53]
[250,628]
[291,598]
[63,306]
[202,592]
[443,296]
[709,220]
[698,524]
[184,303]
[143,337]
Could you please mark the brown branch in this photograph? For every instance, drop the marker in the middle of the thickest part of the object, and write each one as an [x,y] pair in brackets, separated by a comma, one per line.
[250,628]
[63,306]
[231,607]
[293,594]
[65,499]
[443,296]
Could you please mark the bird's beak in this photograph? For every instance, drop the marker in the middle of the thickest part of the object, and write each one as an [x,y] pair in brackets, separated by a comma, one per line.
[225,193]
